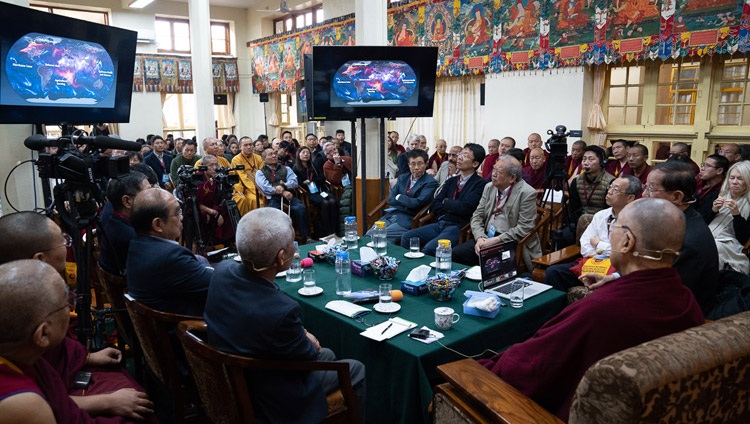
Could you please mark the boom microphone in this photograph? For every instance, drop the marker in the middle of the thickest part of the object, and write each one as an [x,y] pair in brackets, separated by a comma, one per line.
[104,142]
[39,142]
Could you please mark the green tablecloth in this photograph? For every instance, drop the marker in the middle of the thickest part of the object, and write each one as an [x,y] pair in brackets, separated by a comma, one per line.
[402,371]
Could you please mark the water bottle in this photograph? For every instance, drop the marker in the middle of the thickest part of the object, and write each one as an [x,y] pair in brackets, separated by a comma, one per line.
[294,273]
[379,240]
[350,232]
[343,274]
[443,257]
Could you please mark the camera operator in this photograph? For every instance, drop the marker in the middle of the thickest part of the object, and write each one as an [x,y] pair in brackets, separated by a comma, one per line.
[213,214]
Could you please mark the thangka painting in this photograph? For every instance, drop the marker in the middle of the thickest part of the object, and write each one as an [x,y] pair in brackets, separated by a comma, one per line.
[172,74]
[491,36]
[277,61]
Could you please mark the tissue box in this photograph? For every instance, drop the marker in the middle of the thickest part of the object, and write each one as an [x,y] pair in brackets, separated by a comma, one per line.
[414,288]
[474,311]
[361,269]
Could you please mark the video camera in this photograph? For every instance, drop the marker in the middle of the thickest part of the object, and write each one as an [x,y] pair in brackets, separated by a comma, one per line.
[188,175]
[224,177]
[557,146]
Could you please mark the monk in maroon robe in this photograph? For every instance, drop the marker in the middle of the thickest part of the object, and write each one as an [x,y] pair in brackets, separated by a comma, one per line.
[648,301]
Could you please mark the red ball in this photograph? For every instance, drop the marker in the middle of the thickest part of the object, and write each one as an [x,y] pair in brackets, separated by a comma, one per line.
[306,263]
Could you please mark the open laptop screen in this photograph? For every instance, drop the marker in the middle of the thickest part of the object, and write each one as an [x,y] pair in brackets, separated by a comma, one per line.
[497,263]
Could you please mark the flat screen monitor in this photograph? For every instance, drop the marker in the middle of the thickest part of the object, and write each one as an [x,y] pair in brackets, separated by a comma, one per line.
[352,82]
[60,70]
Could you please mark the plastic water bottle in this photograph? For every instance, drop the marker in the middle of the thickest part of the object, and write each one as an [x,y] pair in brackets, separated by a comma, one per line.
[379,240]
[294,273]
[443,256]
[350,232]
[343,274]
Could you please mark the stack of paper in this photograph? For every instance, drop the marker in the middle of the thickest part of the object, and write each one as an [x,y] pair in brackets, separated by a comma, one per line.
[387,329]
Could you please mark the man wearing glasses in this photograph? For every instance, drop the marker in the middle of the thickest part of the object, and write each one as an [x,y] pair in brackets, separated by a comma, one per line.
[713,171]
[162,274]
[698,260]
[647,302]
[595,239]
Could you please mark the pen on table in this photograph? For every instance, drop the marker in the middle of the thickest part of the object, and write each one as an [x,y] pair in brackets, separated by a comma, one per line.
[386,329]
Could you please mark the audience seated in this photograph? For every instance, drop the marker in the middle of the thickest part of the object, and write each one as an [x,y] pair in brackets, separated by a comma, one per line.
[536,171]
[619,164]
[161,273]
[637,166]
[534,141]
[341,144]
[506,212]
[589,190]
[214,146]
[160,161]
[413,192]
[698,261]
[454,203]
[112,391]
[315,185]
[683,150]
[448,167]
[412,143]
[573,165]
[437,158]
[647,302]
[246,192]
[729,226]
[276,182]
[489,160]
[713,171]
[391,157]
[214,218]
[731,151]
[311,141]
[115,232]
[187,157]
[248,315]
[595,239]
[286,153]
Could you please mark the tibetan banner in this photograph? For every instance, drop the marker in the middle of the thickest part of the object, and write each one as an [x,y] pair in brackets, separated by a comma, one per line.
[174,74]
[277,62]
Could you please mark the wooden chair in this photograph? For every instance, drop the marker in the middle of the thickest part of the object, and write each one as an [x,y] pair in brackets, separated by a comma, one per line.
[377,212]
[699,374]
[153,329]
[222,379]
[115,287]
[564,255]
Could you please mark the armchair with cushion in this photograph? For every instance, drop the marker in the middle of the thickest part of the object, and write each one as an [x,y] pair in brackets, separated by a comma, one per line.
[222,379]
[696,375]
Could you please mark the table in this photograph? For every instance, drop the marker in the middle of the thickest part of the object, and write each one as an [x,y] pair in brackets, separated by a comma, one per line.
[402,371]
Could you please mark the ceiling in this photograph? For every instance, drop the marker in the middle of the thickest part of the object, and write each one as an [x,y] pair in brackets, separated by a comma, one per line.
[258,4]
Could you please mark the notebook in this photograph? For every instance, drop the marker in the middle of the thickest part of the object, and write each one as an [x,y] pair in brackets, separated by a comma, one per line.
[498,266]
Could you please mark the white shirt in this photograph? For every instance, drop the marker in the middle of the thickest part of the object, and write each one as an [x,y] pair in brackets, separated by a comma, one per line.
[599,227]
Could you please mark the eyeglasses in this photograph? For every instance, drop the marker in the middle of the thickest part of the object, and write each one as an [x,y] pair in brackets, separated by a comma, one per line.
[708,165]
[68,242]
[651,189]
[71,302]
[416,164]
[614,190]
[613,224]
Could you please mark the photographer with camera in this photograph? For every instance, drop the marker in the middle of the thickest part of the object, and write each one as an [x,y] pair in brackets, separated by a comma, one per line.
[213,212]
[187,157]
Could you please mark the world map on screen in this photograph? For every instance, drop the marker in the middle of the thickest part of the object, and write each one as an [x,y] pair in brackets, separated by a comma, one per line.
[374,82]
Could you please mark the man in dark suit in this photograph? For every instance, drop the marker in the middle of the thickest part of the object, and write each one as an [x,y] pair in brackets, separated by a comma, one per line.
[248,315]
[413,191]
[160,161]
[506,212]
[454,203]
[161,273]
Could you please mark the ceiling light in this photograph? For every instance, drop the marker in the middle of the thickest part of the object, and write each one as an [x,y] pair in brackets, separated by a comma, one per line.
[139,4]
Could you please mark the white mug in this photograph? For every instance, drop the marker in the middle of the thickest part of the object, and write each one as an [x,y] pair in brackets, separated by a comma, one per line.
[445,318]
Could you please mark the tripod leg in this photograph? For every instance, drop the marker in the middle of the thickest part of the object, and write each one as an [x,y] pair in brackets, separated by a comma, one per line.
[197,226]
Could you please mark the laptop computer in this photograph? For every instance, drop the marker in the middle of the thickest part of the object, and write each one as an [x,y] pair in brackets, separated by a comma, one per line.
[498,266]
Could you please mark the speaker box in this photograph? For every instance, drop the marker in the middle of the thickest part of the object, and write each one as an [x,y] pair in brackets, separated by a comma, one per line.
[481,94]
[220,99]
[264,97]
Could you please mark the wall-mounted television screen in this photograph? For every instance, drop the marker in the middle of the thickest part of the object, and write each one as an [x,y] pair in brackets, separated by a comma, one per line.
[372,82]
[55,69]
[301,101]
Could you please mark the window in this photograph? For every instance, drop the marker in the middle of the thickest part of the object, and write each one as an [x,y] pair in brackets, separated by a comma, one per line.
[734,102]
[626,95]
[676,92]
[285,103]
[97,17]
[299,19]
[173,36]
[178,114]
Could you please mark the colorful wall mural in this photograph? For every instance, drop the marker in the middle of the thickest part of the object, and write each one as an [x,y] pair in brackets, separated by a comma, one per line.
[174,74]
[491,36]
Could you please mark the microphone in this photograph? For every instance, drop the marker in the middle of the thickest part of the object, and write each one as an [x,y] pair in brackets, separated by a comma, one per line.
[40,142]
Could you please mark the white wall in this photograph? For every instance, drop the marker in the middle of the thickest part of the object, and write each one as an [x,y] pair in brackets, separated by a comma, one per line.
[519,103]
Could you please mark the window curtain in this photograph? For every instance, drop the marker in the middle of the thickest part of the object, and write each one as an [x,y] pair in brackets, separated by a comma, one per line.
[274,104]
[225,113]
[458,118]
[597,122]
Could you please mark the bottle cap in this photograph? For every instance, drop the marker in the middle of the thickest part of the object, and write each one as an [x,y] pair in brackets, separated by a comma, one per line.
[444,243]
[343,255]
[380,224]
[350,219]
[296,245]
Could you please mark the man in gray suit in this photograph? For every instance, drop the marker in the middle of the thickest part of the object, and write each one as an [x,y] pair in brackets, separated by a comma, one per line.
[507,211]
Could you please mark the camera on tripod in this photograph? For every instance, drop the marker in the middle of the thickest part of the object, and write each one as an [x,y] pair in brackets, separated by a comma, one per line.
[557,146]
[224,177]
